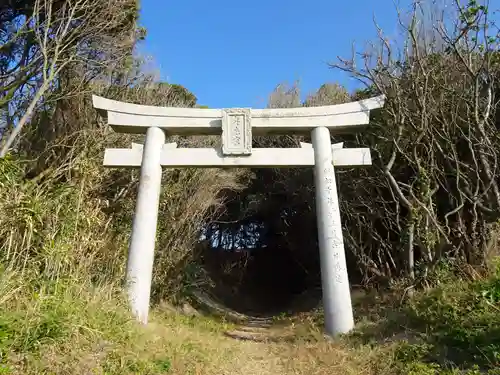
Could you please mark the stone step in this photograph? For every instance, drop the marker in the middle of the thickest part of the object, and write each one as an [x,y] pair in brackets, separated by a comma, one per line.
[252,329]
[247,336]
[253,323]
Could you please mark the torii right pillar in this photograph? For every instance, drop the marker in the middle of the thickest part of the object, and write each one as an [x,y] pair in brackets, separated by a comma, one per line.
[334,278]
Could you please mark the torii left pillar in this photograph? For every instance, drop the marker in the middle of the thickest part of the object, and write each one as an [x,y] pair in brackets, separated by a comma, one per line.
[142,242]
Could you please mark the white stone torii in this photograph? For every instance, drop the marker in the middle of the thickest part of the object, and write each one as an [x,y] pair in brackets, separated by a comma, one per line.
[236,126]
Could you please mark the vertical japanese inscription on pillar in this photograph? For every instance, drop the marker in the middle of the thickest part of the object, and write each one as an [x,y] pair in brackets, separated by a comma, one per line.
[236,131]
[335,237]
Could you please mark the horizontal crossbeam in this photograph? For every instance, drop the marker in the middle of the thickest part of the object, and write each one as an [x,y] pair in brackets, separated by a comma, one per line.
[135,118]
[309,145]
[260,157]
[166,146]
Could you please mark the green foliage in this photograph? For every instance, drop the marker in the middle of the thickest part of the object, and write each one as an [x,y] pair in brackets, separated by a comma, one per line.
[453,328]
[460,328]
[164,365]
[465,326]
[69,327]
[407,353]
[35,318]
[10,170]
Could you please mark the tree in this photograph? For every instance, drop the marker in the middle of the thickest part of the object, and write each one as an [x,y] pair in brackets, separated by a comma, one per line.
[328,94]
[42,40]
[436,142]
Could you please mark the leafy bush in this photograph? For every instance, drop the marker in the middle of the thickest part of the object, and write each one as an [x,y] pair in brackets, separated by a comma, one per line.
[458,325]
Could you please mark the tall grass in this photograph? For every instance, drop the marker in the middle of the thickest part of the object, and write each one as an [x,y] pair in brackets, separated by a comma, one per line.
[64,215]
[74,328]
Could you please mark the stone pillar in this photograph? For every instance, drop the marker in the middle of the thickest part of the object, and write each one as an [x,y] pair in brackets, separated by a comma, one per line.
[334,278]
[142,242]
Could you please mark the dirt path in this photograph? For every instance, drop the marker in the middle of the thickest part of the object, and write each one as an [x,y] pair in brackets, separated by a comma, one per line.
[260,346]
[199,351]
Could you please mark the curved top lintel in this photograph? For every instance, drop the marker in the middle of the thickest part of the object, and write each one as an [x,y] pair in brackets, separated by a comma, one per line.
[108,105]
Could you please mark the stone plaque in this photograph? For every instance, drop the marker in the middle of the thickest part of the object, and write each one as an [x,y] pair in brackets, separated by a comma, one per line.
[236,131]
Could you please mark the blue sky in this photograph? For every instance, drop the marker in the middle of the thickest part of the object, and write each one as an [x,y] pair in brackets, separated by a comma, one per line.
[233,53]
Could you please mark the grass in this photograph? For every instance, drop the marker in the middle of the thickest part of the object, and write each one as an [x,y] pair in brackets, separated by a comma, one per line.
[68,328]
[462,323]
[451,329]
[65,329]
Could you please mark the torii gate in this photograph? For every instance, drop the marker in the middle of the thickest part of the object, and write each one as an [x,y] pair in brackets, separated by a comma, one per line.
[236,126]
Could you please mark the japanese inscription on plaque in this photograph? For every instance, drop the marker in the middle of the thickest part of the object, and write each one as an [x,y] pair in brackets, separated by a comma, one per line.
[236,131]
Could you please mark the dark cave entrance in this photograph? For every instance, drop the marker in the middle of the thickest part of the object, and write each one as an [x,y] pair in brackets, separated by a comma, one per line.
[261,254]
[262,281]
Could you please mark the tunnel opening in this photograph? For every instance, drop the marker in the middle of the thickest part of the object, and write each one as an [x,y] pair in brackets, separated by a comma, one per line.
[267,279]
[261,253]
